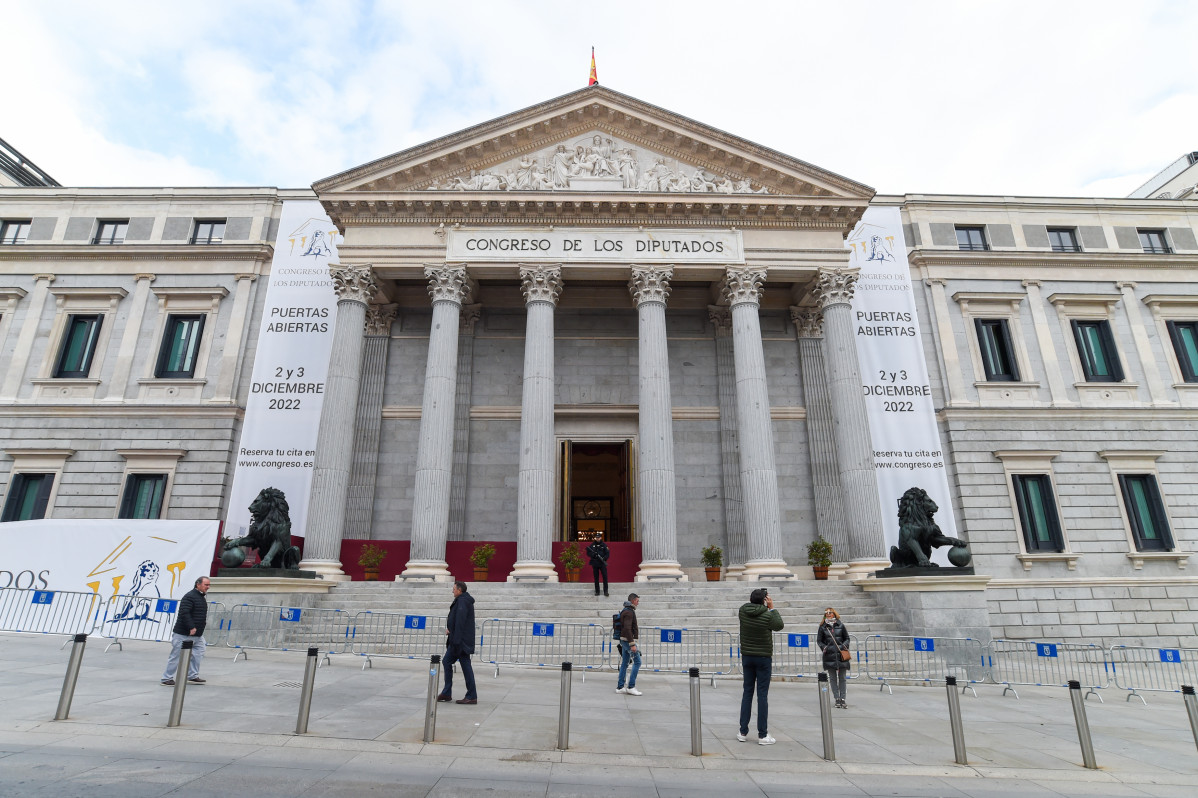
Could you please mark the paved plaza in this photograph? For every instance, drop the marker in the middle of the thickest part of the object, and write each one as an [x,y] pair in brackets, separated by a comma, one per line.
[366,727]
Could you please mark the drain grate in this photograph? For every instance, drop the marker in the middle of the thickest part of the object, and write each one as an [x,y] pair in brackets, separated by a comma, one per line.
[296,685]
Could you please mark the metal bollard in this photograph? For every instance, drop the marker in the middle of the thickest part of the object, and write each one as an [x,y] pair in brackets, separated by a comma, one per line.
[696,715]
[1187,695]
[825,717]
[305,707]
[1083,726]
[563,707]
[430,703]
[954,719]
[68,681]
[180,684]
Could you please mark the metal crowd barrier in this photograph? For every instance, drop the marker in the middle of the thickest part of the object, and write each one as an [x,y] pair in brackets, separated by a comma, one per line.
[217,630]
[1142,669]
[130,617]
[798,655]
[390,634]
[51,612]
[540,644]
[253,626]
[713,651]
[891,659]
[1025,662]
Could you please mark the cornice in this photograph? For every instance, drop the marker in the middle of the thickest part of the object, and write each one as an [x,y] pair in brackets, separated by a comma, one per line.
[1096,414]
[939,202]
[1050,260]
[137,252]
[26,410]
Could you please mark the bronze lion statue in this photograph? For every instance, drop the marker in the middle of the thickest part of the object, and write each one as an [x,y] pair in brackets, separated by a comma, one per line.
[270,532]
[918,534]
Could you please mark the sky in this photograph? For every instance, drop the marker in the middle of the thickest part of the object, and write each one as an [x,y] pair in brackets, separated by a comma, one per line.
[1007,98]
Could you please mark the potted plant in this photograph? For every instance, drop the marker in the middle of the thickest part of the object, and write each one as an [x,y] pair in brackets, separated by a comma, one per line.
[713,558]
[571,560]
[480,558]
[819,557]
[369,558]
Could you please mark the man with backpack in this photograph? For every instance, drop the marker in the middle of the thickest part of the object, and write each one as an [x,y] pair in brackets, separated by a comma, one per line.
[599,552]
[758,622]
[625,621]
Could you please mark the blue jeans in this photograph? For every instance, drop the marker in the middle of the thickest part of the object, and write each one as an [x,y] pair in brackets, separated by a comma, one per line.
[757,675]
[626,655]
[197,654]
[454,654]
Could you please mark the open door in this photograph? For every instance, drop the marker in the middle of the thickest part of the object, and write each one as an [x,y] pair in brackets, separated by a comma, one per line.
[597,490]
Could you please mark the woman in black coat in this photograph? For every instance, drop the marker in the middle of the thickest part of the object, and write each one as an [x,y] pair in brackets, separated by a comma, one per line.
[833,638]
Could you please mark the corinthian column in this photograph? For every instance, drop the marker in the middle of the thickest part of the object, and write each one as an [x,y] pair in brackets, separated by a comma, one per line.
[541,285]
[355,287]
[655,465]
[360,510]
[734,506]
[850,423]
[449,287]
[758,474]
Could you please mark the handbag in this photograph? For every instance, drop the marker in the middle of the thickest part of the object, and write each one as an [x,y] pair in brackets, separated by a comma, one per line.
[845,655]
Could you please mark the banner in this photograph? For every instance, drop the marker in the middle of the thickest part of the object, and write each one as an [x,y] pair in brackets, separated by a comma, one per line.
[278,436]
[894,374]
[150,559]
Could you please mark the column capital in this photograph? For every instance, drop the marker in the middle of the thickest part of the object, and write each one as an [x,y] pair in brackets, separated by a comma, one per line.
[152,277]
[379,319]
[808,322]
[650,284]
[354,283]
[540,282]
[720,317]
[835,286]
[468,318]
[742,284]
[448,283]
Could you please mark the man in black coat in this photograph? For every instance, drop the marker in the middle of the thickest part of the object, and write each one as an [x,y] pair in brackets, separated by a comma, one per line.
[459,644]
[599,552]
[189,625]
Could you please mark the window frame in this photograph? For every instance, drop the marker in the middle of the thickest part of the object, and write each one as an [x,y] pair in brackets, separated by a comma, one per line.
[50,462]
[149,462]
[1185,365]
[1000,344]
[130,497]
[117,225]
[7,224]
[1145,234]
[76,301]
[1106,342]
[172,323]
[1141,463]
[971,246]
[18,487]
[88,359]
[1074,245]
[209,239]
[1156,510]
[1031,542]
[1035,463]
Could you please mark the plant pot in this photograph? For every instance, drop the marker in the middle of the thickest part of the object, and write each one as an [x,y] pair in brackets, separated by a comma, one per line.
[371,574]
[821,571]
[713,574]
[572,574]
[480,574]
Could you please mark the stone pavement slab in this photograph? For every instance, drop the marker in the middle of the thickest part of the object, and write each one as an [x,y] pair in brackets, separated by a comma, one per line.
[366,729]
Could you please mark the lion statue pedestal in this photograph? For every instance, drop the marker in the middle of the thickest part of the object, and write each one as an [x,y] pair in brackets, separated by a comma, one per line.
[918,536]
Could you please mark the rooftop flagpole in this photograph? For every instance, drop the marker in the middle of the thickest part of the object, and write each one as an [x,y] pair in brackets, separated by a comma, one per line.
[594,72]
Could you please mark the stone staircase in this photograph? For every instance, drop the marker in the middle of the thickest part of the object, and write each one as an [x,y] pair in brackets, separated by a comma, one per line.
[710,605]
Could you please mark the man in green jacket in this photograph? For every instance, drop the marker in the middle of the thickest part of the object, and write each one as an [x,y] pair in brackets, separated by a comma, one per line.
[758,622]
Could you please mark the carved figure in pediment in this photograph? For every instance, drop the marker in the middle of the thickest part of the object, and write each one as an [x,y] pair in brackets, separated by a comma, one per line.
[600,156]
[725,186]
[699,182]
[746,187]
[562,163]
[628,166]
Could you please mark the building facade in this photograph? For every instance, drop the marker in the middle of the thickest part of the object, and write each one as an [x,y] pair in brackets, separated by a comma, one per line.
[593,315]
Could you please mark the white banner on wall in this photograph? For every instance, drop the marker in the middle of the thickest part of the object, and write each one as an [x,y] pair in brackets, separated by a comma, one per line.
[152,559]
[894,374]
[278,438]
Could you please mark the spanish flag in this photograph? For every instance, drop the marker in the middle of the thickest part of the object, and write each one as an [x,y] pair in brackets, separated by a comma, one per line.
[594,72]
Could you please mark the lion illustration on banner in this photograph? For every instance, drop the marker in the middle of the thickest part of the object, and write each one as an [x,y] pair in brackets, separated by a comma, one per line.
[918,533]
[270,532]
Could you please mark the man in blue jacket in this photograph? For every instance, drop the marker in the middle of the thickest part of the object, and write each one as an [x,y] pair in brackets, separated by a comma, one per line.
[459,644]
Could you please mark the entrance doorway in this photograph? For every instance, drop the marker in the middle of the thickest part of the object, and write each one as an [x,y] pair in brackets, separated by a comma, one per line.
[597,491]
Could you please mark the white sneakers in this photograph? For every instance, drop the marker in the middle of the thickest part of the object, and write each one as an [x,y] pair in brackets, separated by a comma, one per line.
[741,737]
[766,740]
[629,691]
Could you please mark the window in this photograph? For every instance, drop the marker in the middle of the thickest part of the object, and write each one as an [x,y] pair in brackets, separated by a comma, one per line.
[1185,344]
[209,231]
[111,232]
[1038,513]
[180,343]
[143,496]
[1063,239]
[14,232]
[972,238]
[1096,350]
[28,496]
[1153,242]
[1145,512]
[78,346]
[998,356]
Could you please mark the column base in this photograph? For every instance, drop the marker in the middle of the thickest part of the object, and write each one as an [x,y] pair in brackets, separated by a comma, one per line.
[864,568]
[757,570]
[533,571]
[325,569]
[733,573]
[838,571]
[660,571]
[425,571]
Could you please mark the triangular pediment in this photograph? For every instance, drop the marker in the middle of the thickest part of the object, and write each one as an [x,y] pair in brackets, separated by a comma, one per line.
[593,141]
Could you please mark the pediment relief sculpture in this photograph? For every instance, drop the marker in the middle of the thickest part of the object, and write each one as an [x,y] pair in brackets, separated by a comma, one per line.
[597,162]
